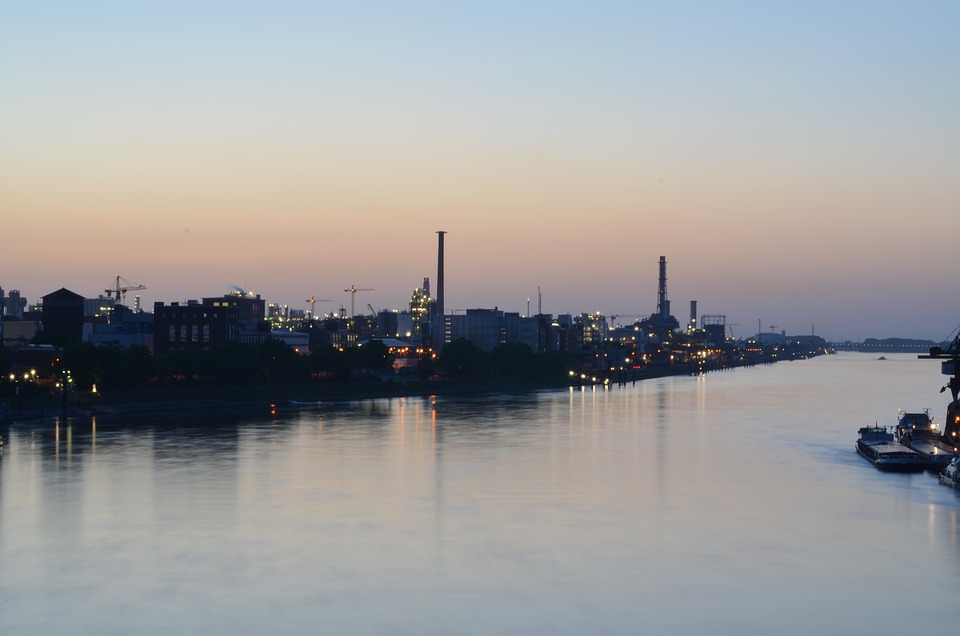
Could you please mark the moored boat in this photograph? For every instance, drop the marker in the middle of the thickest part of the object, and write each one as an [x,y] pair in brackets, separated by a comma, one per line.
[950,366]
[950,475]
[920,433]
[877,445]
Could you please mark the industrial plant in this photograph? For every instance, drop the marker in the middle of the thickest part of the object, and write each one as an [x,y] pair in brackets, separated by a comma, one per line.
[597,348]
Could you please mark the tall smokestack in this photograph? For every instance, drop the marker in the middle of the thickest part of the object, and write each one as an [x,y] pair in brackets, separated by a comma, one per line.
[438,307]
[663,305]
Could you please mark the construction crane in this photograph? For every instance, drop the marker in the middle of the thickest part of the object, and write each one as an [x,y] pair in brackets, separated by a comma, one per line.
[373,310]
[730,326]
[353,293]
[949,365]
[313,304]
[121,286]
[613,317]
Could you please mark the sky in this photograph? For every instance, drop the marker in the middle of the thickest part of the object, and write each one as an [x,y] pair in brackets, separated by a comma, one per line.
[795,162]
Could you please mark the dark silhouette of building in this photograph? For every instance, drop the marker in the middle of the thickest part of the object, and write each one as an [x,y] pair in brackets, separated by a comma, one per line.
[488,328]
[251,310]
[439,328]
[663,305]
[211,323]
[121,327]
[715,327]
[13,304]
[438,307]
[662,324]
[193,326]
[63,315]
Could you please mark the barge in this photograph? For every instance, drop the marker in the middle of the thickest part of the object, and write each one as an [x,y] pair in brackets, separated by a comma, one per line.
[878,446]
[917,431]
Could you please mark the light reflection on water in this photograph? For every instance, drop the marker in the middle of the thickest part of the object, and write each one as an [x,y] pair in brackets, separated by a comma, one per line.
[726,503]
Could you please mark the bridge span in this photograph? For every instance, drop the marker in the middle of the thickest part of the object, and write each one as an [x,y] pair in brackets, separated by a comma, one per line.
[883,347]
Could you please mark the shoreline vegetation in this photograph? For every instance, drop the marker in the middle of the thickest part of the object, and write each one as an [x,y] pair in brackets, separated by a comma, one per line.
[271,398]
[86,381]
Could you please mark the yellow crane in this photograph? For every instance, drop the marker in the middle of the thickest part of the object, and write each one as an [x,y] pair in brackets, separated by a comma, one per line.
[353,293]
[313,304]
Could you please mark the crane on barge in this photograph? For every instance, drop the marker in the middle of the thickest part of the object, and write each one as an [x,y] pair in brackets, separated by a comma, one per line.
[949,365]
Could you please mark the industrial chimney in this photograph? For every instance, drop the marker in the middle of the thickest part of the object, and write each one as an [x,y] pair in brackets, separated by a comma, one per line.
[663,305]
[438,306]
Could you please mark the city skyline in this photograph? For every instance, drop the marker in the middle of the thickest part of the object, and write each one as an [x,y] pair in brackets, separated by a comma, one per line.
[795,164]
[132,297]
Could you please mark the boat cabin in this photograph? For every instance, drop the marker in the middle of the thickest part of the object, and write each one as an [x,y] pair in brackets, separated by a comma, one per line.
[914,425]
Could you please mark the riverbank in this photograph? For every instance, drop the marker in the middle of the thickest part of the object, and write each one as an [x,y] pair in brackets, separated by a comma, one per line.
[186,400]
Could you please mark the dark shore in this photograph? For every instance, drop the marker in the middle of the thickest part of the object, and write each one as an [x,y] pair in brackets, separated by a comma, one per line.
[158,402]
[252,399]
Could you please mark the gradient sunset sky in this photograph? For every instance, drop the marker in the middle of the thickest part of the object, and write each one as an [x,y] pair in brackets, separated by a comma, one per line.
[796,162]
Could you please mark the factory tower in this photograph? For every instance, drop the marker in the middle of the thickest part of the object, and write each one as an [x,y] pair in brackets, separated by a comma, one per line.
[438,306]
[661,323]
[663,305]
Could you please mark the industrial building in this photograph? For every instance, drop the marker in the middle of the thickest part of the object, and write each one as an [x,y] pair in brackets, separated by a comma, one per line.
[63,314]
[217,320]
[193,326]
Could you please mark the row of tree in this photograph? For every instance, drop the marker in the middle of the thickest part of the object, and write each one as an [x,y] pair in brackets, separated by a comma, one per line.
[232,364]
[273,362]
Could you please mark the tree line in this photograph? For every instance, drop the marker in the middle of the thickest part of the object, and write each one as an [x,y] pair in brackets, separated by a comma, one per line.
[110,367]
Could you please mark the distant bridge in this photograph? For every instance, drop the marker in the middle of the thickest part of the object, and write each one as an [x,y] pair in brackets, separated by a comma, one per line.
[882,347]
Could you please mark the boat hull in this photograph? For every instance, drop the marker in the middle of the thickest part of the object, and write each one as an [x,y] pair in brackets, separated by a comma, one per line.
[949,481]
[917,431]
[892,457]
[936,453]
[950,476]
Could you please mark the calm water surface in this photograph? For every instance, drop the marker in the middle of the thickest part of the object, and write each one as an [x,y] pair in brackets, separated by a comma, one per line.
[731,503]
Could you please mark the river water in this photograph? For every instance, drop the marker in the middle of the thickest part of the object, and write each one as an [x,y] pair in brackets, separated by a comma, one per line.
[730,503]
